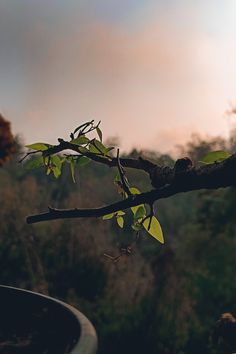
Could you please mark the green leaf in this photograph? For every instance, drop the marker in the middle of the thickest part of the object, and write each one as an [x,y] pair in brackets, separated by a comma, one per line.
[56,160]
[140,213]
[93,149]
[56,172]
[134,190]
[154,229]
[120,221]
[82,160]
[108,216]
[99,133]
[34,163]
[120,213]
[72,169]
[38,146]
[46,160]
[49,170]
[100,146]
[56,165]
[80,141]
[215,156]
[97,147]
[83,150]
[109,149]
[135,208]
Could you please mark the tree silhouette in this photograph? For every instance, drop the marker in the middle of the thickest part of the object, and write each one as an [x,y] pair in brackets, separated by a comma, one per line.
[7,143]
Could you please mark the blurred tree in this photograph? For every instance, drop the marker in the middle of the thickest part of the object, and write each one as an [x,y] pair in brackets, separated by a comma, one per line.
[7,142]
[158,300]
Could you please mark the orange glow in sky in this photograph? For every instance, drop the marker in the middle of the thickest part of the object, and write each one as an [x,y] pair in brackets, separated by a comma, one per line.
[153,72]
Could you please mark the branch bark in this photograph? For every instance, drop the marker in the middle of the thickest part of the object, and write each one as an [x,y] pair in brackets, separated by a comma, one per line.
[211,176]
[138,164]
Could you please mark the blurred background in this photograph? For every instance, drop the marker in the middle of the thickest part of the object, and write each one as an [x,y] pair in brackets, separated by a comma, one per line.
[161,77]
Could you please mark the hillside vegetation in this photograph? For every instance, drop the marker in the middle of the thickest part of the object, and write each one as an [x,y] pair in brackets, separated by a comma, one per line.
[160,299]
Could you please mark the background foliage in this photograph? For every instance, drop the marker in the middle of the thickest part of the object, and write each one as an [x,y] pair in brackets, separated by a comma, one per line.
[160,299]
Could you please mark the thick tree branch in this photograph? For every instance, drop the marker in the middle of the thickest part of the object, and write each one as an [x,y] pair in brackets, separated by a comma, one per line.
[212,176]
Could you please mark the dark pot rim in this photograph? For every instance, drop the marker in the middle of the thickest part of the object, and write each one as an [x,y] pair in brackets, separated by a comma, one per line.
[87,340]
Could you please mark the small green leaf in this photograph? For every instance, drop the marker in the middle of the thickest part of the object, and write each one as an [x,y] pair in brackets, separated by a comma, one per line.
[100,146]
[93,149]
[109,149]
[80,140]
[49,170]
[34,163]
[135,208]
[56,160]
[83,150]
[215,156]
[99,133]
[134,190]
[120,213]
[38,146]
[120,221]
[97,147]
[46,160]
[154,228]
[140,212]
[56,172]
[82,160]
[72,169]
[56,165]
[108,216]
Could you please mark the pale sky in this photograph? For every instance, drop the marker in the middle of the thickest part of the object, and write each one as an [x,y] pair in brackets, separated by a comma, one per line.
[152,71]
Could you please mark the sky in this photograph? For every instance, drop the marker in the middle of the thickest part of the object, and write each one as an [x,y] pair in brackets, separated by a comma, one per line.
[152,71]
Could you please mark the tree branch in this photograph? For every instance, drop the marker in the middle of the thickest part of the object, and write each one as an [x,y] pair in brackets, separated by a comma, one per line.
[139,164]
[211,176]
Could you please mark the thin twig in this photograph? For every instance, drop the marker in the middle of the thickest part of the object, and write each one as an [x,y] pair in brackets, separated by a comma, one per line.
[28,154]
[122,175]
